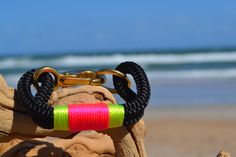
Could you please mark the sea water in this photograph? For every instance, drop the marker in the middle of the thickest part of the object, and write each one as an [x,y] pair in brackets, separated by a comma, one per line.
[189,77]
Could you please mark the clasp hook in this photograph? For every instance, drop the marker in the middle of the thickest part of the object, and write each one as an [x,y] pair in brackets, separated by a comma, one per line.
[64,80]
[116,73]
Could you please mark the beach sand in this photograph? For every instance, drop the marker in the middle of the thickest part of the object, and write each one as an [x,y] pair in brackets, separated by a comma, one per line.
[190,131]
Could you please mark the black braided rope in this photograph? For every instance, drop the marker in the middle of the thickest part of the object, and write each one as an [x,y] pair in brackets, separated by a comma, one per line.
[42,113]
[135,103]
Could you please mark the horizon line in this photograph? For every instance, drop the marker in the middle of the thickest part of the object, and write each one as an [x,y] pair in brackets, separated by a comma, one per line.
[121,51]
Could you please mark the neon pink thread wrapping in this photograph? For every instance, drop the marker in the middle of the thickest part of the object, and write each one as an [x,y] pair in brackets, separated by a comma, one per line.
[88,117]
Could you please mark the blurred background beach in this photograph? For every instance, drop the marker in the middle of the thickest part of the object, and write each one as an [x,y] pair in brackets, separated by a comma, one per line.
[188,50]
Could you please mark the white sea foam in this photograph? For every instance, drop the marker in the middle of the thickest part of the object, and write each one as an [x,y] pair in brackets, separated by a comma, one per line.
[156,76]
[194,74]
[114,59]
[10,65]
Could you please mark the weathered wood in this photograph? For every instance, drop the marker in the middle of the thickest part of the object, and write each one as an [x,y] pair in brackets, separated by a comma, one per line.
[19,136]
[223,154]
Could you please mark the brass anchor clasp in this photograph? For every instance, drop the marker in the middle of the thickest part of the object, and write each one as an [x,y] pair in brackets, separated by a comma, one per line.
[88,77]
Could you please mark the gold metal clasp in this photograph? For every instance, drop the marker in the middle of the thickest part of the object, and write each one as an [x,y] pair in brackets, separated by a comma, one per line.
[88,77]
[64,80]
[116,73]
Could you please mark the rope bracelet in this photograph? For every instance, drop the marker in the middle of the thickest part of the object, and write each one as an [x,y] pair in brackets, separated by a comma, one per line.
[77,117]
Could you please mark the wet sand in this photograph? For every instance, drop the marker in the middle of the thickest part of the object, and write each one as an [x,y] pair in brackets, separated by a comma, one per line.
[190,131]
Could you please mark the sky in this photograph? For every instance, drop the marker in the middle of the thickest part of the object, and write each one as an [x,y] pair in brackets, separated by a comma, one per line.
[78,26]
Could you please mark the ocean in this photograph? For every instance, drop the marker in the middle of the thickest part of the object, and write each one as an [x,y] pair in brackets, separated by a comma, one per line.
[177,78]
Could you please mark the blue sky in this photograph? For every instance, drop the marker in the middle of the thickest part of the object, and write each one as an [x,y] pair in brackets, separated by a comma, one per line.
[56,26]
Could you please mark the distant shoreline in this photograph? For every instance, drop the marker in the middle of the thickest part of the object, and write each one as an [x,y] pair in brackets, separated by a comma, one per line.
[227,112]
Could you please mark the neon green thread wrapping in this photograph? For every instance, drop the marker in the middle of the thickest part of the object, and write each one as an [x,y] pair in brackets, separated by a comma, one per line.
[61,117]
[116,115]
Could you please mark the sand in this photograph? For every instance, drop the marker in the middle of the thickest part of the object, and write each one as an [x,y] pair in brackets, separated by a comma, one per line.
[190,131]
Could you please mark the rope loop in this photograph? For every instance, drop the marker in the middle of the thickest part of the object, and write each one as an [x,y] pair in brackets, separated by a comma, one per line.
[40,111]
[135,103]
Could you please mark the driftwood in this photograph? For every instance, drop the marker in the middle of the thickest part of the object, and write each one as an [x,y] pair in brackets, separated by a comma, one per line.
[223,154]
[19,136]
